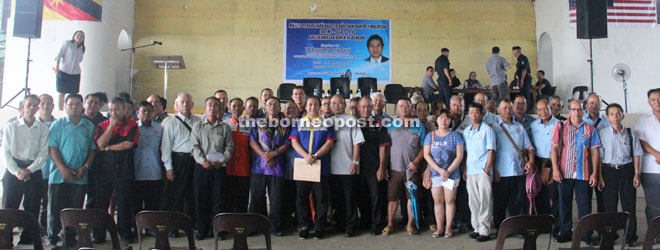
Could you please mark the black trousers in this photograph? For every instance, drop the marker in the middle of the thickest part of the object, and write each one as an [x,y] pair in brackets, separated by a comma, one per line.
[259,184]
[507,196]
[583,194]
[61,196]
[303,212]
[445,92]
[463,214]
[148,195]
[344,196]
[547,201]
[372,201]
[179,198]
[29,192]
[209,200]
[237,193]
[43,212]
[122,193]
[425,204]
[289,196]
[619,186]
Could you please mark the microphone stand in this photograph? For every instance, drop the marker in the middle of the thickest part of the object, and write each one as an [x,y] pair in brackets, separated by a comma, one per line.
[625,91]
[132,49]
[26,89]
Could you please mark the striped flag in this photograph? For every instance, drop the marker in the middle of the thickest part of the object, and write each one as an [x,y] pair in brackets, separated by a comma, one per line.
[623,13]
[81,10]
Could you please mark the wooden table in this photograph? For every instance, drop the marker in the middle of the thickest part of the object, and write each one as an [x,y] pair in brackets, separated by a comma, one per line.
[475,91]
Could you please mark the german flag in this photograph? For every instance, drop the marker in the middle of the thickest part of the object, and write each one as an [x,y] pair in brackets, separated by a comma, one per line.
[81,10]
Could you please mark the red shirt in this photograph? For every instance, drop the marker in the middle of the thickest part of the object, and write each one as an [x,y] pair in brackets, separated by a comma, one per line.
[239,164]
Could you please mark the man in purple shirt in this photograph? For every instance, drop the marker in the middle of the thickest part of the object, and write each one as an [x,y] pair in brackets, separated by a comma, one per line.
[269,144]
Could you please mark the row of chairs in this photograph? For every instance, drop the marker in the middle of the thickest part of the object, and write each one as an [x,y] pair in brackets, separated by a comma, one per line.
[240,225]
[606,224]
[342,85]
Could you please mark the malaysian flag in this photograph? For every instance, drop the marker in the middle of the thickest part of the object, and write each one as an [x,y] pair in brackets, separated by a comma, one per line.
[635,13]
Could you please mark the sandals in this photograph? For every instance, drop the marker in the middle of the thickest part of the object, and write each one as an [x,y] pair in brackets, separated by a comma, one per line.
[449,235]
[412,230]
[386,231]
[438,235]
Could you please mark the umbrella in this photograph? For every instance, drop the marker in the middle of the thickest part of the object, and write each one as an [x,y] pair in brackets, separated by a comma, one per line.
[413,202]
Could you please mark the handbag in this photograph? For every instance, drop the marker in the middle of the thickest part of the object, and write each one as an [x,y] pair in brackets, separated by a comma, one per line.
[533,182]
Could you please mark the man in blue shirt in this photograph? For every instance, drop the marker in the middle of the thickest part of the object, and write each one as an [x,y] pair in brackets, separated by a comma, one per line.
[148,169]
[312,141]
[480,144]
[520,114]
[509,184]
[72,150]
[594,118]
[547,201]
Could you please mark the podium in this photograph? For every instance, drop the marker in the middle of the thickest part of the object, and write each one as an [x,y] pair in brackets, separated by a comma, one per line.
[166,63]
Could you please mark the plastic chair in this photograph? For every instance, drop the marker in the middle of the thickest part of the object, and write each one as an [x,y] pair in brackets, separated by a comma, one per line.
[84,220]
[13,218]
[162,223]
[606,224]
[342,84]
[529,226]
[652,232]
[394,92]
[285,90]
[310,84]
[367,85]
[240,225]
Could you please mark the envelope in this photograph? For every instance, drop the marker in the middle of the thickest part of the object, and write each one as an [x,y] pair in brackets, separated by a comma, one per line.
[303,171]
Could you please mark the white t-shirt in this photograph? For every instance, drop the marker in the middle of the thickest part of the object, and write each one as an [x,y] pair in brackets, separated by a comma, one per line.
[348,134]
[648,130]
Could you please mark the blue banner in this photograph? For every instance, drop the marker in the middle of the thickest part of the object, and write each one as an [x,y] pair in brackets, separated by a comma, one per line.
[327,48]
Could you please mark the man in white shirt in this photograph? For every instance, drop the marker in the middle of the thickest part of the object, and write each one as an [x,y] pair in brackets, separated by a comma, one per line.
[344,166]
[176,155]
[648,131]
[24,152]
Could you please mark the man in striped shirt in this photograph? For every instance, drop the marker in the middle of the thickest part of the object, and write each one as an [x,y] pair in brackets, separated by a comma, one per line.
[575,167]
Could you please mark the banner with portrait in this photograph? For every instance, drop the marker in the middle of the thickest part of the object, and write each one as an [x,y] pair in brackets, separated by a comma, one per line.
[329,48]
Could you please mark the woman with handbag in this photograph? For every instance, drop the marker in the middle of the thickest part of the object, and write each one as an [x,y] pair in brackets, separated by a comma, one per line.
[443,151]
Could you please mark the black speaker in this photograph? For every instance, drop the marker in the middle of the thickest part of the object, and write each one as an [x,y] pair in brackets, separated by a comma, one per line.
[27,18]
[591,19]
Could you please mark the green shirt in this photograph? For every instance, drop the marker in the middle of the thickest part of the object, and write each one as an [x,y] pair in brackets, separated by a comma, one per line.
[74,143]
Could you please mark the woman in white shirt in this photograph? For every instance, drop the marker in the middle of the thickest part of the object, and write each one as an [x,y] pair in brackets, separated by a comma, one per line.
[67,66]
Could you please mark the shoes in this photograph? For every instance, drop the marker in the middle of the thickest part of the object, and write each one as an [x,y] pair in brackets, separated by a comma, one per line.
[174,233]
[631,243]
[277,233]
[563,238]
[126,240]
[483,238]
[473,235]
[200,235]
[304,233]
[349,233]
[318,235]
[433,227]
[98,241]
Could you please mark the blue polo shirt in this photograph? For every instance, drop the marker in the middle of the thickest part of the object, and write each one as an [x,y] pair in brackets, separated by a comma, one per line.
[74,143]
[490,119]
[477,144]
[604,123]
[314,136]
[542,137]
[507,160]
[147,153]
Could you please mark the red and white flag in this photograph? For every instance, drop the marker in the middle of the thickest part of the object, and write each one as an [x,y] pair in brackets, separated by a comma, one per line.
[623,13]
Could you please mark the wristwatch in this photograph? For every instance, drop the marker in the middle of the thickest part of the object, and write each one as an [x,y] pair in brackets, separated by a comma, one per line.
[356,162]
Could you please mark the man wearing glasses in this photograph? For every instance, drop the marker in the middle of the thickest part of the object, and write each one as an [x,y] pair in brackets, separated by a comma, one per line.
[575,166]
